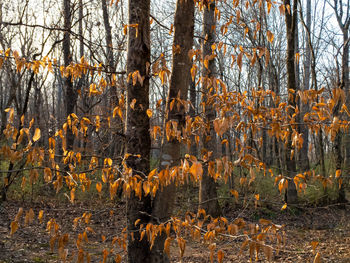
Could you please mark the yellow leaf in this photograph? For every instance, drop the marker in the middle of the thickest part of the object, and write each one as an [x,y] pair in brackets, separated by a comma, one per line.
[109,161]
[257,197]
[37,135]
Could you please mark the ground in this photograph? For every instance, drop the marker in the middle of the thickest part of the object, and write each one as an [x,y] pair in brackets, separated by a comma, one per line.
[328,227]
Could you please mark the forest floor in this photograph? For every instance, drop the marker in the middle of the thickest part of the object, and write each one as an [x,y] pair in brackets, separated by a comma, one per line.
[329,227]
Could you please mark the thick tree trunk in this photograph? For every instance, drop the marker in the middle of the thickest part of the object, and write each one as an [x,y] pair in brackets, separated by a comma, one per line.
[207,189]
[71,95]
[137,125]
[179,84]
[291,20]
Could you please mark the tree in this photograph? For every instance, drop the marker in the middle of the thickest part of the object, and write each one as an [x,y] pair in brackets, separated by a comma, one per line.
[245,108]
[304,160]
[137,124]
[70,92]
[207,191]
[291,20]
[343,18]
[176,112]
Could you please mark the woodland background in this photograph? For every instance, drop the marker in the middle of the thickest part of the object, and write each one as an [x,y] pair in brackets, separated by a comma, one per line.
[190,131]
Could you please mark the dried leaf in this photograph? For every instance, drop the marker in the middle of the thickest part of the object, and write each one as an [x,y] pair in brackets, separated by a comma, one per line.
[14,227]
[99,187]
[317,258]
[37,135]
[40,216]
[149,113]
[220,256]
[284,207]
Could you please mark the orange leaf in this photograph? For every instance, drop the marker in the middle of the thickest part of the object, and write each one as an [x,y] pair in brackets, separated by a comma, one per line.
[99,187]
[239,60]
[284,206]
[72,195]
[14,227]
[234,193]
[19,214]
[314,244]
[149,113]
[270,36]
[40,216]
[317,258]
[220,256]
[196,169]
[337,173]
[167,245]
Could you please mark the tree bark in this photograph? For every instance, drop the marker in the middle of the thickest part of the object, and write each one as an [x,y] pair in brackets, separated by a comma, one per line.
[179,84]
[291,20]
[207,189]
[344,85]
[304,163]
[137,125]
[115,141]
[71,94]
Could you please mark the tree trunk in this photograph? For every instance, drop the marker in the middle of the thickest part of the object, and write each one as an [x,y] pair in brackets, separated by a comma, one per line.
[291,20]
[304,163]
[207,189]
[115,141]
[137,125]
[344,84]
[71,95]
[179,84]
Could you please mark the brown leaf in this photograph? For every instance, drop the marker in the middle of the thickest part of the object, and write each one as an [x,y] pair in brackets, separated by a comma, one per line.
[14,227]
[37,135]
